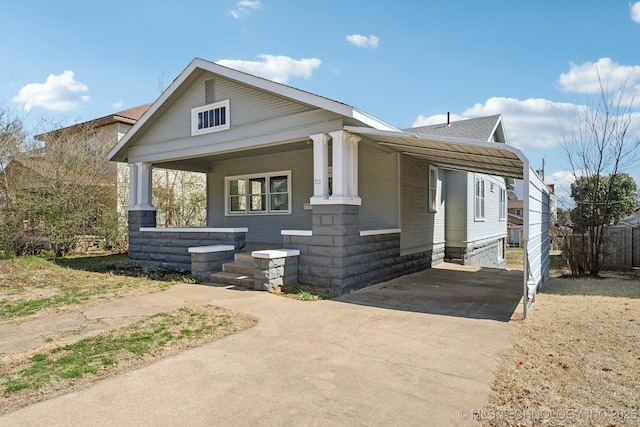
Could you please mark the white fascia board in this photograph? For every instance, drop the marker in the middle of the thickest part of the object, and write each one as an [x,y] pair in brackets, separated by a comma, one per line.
[113,154]
[500,126]
[368,119]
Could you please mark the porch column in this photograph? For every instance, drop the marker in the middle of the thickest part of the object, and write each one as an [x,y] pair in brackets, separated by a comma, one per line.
[320,168]
[345,168]
[141,187]
[133,185]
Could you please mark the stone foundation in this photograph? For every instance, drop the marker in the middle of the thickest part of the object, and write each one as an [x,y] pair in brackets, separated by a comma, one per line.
[169,247]
[484,254]
[206,260]
[338,259]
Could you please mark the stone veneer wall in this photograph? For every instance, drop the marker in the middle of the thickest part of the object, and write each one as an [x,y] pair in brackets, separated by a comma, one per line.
[483,254]
[336,258]
[167,248]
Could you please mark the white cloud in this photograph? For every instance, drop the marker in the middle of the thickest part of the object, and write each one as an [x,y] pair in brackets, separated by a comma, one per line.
[58,93]
[562,181]
[435,120]
[245,7]
[277,68]
[635,11]
[117,105]
[370,42]
[586,78]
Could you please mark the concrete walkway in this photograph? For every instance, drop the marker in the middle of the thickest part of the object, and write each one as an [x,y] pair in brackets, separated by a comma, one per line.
[348,361]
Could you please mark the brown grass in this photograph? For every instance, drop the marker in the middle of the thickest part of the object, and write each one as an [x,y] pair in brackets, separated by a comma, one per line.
[35,287]
[576,360]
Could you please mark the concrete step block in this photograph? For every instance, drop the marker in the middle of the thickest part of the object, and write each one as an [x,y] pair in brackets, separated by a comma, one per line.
[238,267]
[233,279]
[243,258]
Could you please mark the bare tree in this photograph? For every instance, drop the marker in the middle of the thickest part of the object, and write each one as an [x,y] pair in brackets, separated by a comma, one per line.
[66,188]
[12,139]
[601,144]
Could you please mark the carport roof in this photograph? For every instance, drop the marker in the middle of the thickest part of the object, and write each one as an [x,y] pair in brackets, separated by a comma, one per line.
[493,158]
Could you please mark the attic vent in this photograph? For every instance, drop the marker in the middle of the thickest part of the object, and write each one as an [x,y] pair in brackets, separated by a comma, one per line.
[208,91]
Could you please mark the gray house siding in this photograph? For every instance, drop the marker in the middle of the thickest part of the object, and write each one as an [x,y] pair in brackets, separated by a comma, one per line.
[246,106]
[456,214]
[378,188]
[264,228]
[491,226]
[474,242]
[417,222]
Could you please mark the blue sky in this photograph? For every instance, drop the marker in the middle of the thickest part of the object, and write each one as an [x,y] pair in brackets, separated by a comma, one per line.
[405,62]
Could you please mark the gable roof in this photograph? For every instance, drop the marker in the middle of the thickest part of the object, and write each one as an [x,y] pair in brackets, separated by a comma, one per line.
[128,116]
[118,153]
[481,129]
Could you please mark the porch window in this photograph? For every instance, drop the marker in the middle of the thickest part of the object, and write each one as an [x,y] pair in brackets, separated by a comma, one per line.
[479,199]
[433,189]
[258,194]
[210,118]
[503,204]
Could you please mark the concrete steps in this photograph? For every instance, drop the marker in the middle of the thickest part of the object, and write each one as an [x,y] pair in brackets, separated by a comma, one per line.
[236,273]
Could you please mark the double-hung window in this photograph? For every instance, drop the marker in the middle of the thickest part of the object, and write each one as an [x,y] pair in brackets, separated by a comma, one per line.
[503,204]
[479,198]
[210,118]
[433,189]
[259,194]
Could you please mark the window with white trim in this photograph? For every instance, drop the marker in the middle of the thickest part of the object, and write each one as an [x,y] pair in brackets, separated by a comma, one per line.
[433,189]
[503,204]
[268,194]
[479,198]
[210,118]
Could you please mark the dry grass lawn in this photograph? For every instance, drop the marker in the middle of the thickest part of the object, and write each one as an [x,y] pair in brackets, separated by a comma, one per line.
[576,360]
[36,288]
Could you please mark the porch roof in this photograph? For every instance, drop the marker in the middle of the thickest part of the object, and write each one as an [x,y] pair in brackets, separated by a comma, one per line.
[493,158]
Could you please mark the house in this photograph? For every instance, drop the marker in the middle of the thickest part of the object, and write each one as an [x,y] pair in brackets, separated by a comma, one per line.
[178,193]
[473,238]
[515,221]
[355,200]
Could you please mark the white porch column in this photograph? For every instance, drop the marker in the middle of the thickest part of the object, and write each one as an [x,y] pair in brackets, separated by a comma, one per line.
[142,186]
[133,185]
[345,168]
[320,168]
[352,150]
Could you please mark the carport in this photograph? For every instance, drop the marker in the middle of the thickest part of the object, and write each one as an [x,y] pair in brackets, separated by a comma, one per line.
[491,158]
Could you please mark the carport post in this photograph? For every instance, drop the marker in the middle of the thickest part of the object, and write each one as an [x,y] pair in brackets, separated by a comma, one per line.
[525,295]
[526,178]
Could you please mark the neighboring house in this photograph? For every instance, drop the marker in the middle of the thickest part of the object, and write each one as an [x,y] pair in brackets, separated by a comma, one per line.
[633,219]
[360,200]
[176,191]
[104,131]
[515,222]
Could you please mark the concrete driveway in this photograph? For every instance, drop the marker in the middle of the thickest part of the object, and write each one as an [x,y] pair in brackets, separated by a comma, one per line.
[385,355]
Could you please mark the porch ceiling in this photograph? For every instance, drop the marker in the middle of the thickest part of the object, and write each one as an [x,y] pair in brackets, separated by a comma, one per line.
[492,158]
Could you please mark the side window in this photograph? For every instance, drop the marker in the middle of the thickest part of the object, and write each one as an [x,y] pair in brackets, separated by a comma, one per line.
[479,198]
[503,204]
[433,189]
